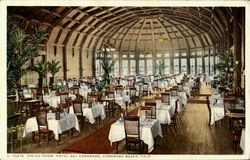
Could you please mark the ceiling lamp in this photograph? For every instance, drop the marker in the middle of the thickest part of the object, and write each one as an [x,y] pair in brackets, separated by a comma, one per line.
[149,51]
[160,38]
[107,46]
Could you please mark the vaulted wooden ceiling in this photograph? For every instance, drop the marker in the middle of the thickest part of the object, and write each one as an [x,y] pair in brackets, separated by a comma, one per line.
[128,28]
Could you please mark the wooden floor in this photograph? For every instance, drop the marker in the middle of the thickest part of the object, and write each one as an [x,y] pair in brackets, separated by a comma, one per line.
[194,136]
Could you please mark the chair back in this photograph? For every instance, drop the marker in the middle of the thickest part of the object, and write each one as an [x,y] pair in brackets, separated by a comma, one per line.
[64,107]
[119,91]
[132,91]
[153,105]
[165,98]
[132,127]
[92,98]
[229,103]
[20,94]
[173,92]
[209,110]
[41,119]
[80,98]
[180,87]
[176,107]
[77,106]
[75,90]
[145,87]
[39,96]
[110,94]
[63,97]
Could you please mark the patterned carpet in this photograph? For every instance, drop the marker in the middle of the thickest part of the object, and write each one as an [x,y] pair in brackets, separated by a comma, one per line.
[95,143]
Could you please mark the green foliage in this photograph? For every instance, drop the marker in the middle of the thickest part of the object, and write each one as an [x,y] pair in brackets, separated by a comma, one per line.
[40,68]
[160,66]
[21,47]
[58,88]
[100,85]
[53,67]
[108,67]
[226,68]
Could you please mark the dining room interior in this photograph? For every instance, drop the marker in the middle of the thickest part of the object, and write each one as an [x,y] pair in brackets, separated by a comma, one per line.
[126,80]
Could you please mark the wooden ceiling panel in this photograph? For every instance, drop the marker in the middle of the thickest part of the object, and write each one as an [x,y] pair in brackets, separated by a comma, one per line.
[182,27]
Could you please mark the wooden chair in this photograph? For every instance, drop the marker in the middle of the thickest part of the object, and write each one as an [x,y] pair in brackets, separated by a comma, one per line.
[180,87]
[174,117]
[173,92]
[63,97]
[77,106]
[229,103]
[132,133]
[153,108]
[43,105]
[64,107]
[116,106]
[42,123]
[134,98]
[145,90]
[209,111]
[165,98]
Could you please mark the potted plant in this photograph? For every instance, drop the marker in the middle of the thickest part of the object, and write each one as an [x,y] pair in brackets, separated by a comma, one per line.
[53,68]
[99,86]
[41,69]
[108,67]
[160,66]
[21,48]
[226,68]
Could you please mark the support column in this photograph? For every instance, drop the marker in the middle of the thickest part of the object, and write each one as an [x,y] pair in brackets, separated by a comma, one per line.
[64,56]
[93,64]
[171,62]
[188,62]
[80,62]
[237,47]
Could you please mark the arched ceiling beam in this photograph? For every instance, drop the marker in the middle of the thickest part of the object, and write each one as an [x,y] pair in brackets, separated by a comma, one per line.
[179,30]
[166,32]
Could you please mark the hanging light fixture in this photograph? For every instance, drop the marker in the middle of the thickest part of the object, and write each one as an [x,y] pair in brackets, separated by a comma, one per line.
[108,46]
[160,38]
[149,51]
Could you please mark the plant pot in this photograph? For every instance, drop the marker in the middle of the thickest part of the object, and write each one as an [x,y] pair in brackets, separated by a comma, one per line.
[57,93]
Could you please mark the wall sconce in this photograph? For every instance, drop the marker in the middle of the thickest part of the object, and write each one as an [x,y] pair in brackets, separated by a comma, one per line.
[236,62]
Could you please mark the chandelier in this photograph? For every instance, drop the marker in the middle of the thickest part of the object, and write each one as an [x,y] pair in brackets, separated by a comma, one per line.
[149,51]
[160,38]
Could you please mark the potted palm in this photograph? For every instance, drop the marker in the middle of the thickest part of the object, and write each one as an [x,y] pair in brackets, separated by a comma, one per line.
[160,66]
[99,86]
[21,48]
[41,69]
[226,68]
[53,68]
[108,67]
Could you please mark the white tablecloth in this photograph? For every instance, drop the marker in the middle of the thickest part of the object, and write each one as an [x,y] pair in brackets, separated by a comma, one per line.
[55,100]
[91,113]
[162,114]
[217,113]
[149,130]
[242,140]
[183,97]
[216,98]
[186,89]
[57,126]
[84,92]
[121,100]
